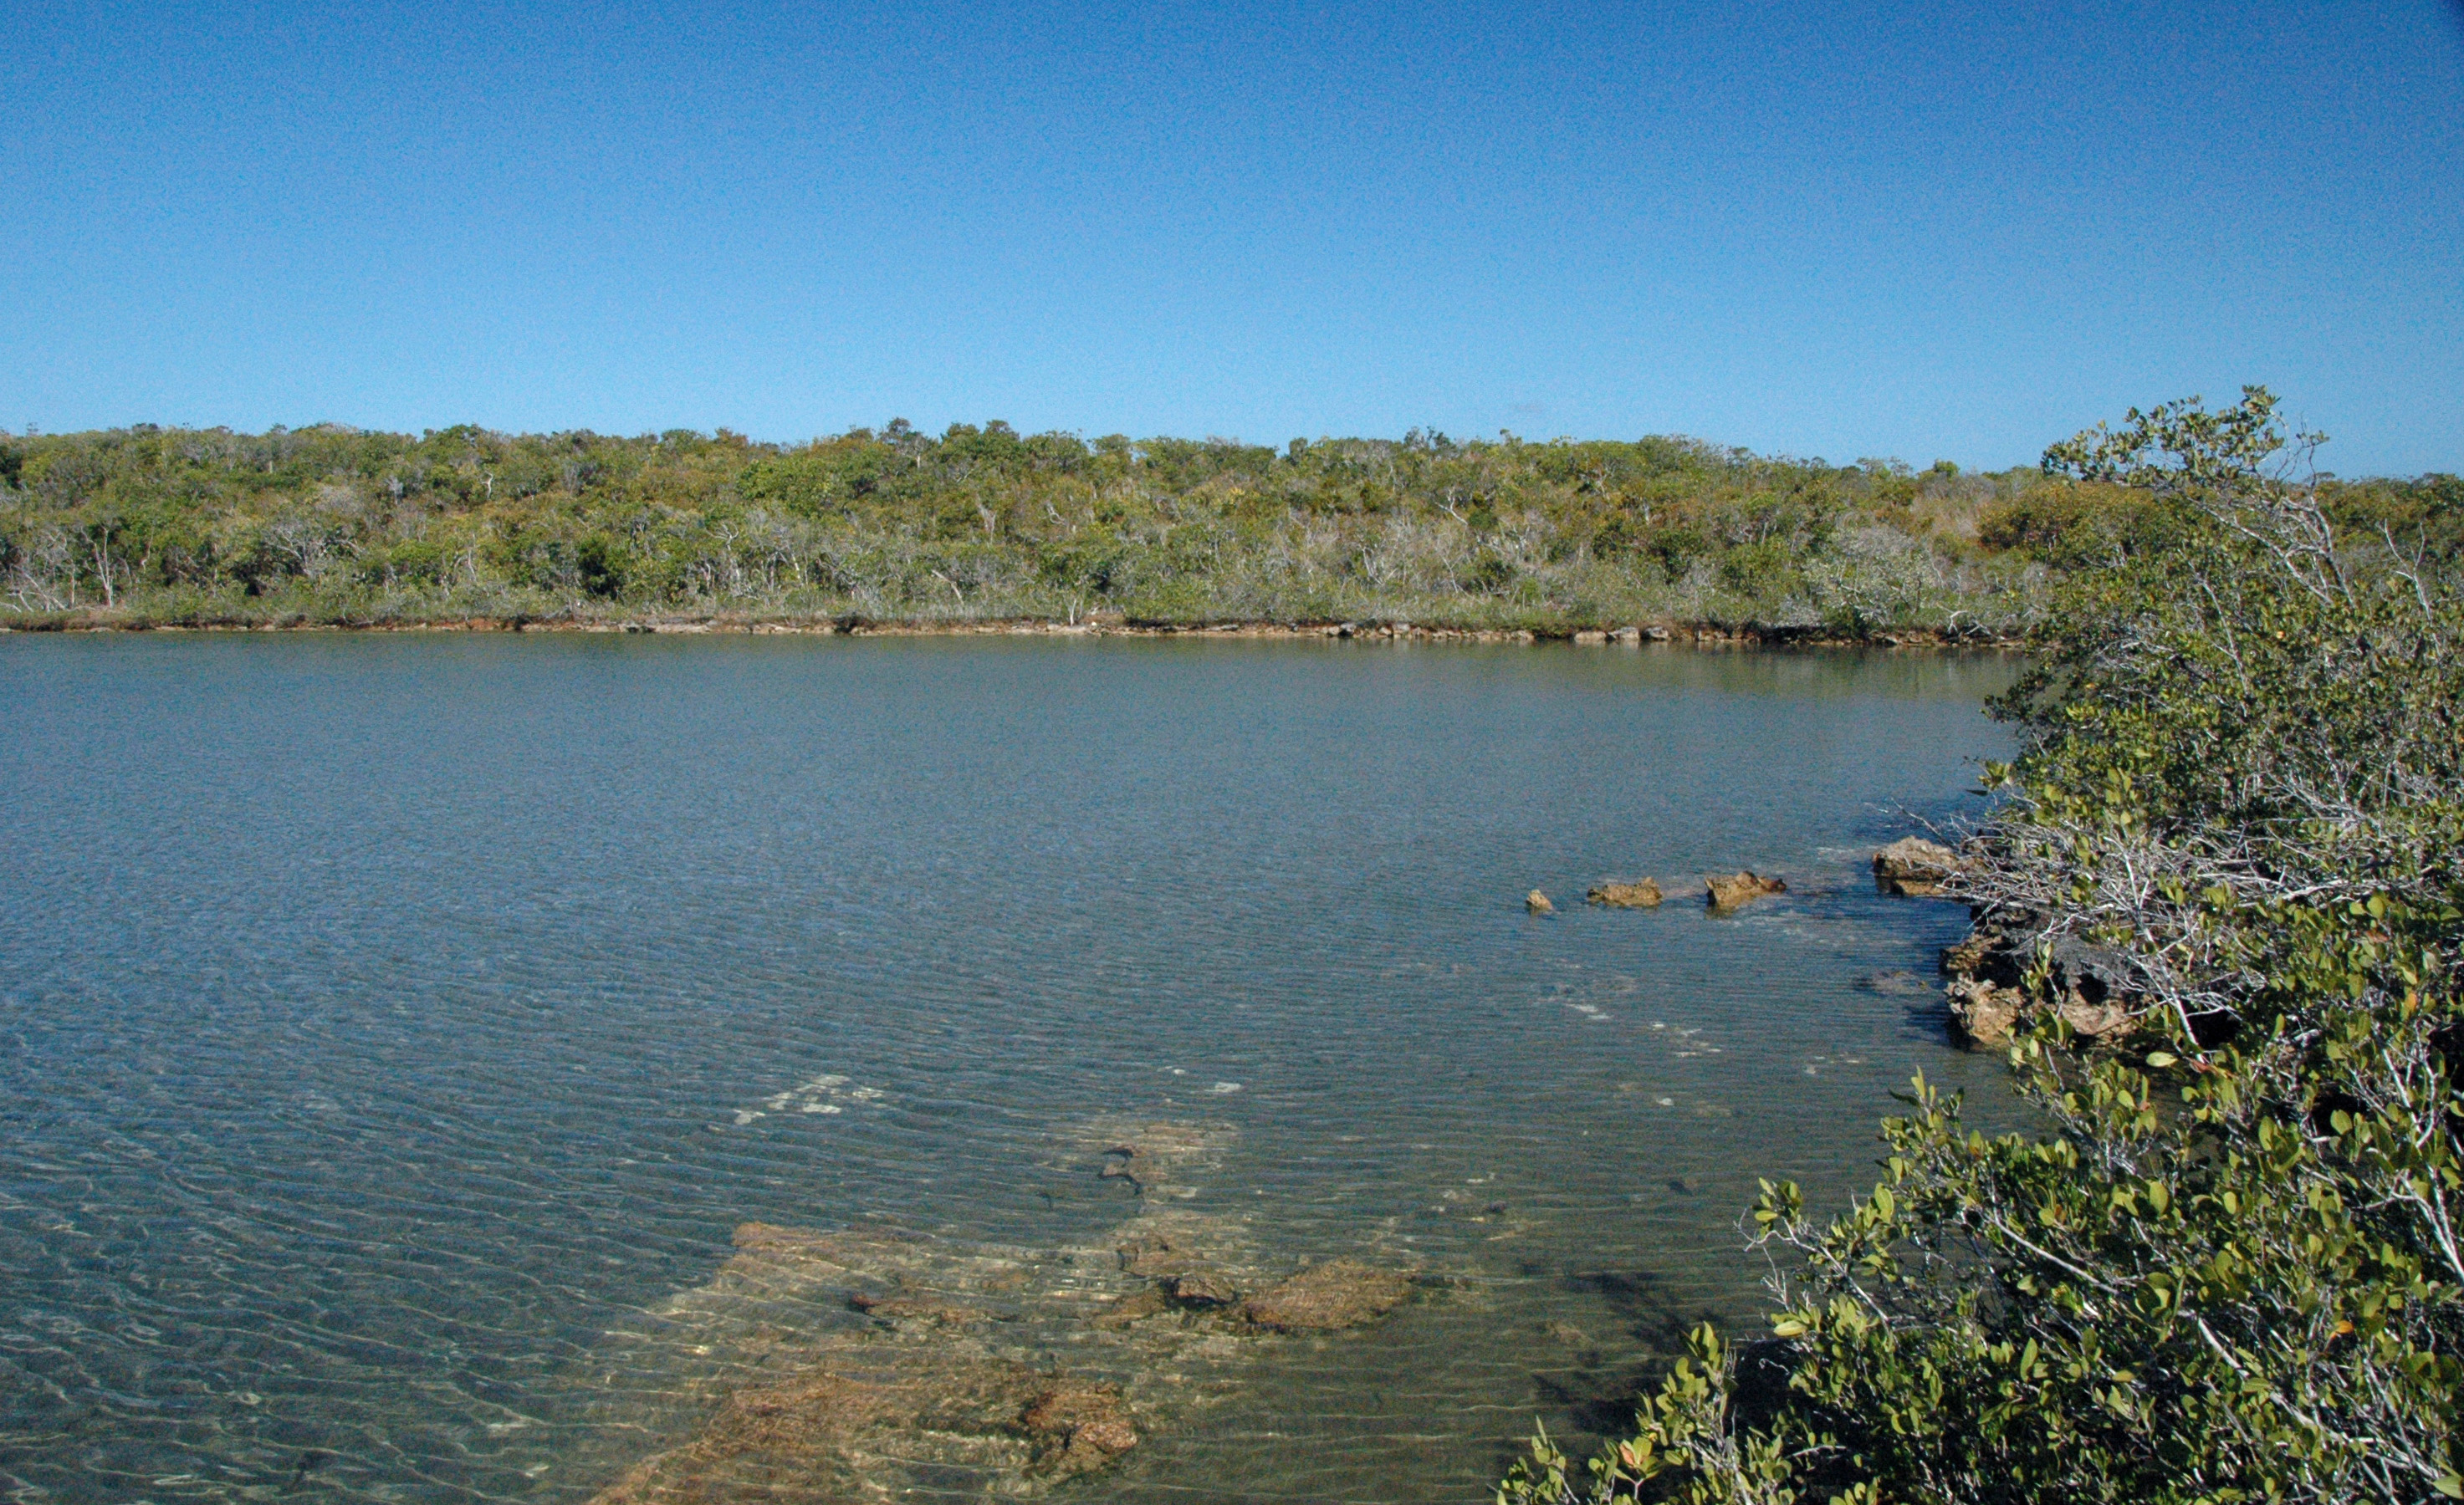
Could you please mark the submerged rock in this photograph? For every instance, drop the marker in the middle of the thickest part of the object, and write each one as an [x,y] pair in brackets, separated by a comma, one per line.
[1645,895]
[1078,1427]
[1156,1158]
[822,1432]
[899,1308]
[1328,1298]
[1135,1307]
[1915,866]
[1202,1289]
[1898,982]
[1163,1253]
[1538,902]
[1737,889]
[872,1363]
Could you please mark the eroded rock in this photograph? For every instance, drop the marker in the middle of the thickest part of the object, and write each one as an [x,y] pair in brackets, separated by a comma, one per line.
[1982,953]
[1537,902]
[1135,1307]
[1328,1298]
[1644,895]
[1202,1289]
[1981,1012]
[865,1364]
[1915,866]
[1737,889]
[1078,1427]
[2088,986]
[902,1308]
[821,1433]
[2106,1020]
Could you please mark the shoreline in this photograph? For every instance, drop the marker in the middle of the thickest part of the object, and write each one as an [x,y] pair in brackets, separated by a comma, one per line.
[1701,635]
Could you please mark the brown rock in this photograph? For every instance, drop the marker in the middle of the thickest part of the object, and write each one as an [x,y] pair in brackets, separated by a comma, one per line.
[1538,902]
[904,1308]
[1645,895]
[1913,866]
[1734,889]
[1968,958]
[1985,1013]
[1098,1442]
[1157,1255]
[1077,1427]
[2103,1020]
[1135,1307]
[821,1434]
[1328,1298]
[1202,1289]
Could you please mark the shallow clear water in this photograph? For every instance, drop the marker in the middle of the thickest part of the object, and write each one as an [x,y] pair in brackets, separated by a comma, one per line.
[388,1024]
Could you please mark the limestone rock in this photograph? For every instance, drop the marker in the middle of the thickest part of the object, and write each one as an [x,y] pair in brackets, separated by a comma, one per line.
[1645,895]
[1737,889]
[1914,865]
[2090,986]
[1199,1288]
[904,1307]
[1328,1298]
[876,1362]
[1985,1013]
[2103,1020]
[1135,1307]
[1969,957]
[1538,902]
[2095,972]
[1078,1427]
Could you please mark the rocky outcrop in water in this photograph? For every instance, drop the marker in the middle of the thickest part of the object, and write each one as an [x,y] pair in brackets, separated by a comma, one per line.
[870,1363]
[1915,866]
[1327,1299]
[2089,986]
[828,1431]
[1644,895]
[1737,889]
[1537,902]
[1982,1013]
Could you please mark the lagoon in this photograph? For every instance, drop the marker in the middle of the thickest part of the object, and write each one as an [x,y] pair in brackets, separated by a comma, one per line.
[396,1030]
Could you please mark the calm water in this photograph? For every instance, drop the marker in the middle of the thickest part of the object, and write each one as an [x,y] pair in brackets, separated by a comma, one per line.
[389,1026]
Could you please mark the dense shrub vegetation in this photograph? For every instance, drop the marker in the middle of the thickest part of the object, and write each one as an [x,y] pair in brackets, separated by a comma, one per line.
[328,524]
[2230,1267]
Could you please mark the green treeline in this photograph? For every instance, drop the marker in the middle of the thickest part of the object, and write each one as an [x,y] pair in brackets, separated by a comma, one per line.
[2230,1266]
[332,525]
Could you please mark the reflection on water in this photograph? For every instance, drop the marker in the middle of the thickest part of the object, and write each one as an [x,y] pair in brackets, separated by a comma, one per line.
[397,1035]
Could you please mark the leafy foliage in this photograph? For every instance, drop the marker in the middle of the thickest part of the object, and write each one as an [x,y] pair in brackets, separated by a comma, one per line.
[2230,1269]
[331,524]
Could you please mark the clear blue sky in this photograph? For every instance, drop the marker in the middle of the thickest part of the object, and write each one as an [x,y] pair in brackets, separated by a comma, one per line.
[1925,230]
